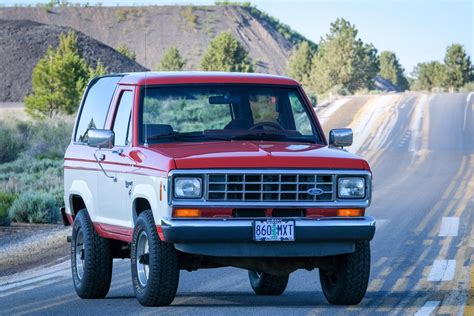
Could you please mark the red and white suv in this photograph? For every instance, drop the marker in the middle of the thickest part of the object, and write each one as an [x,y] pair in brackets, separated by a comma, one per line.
[199,170]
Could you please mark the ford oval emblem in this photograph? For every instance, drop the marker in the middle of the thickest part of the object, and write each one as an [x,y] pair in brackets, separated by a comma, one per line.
[315,191]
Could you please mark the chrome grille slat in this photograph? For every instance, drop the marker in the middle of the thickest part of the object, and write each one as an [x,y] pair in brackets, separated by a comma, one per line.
[268,187]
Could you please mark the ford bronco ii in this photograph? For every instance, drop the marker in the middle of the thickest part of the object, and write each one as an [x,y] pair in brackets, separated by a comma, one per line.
[206,170]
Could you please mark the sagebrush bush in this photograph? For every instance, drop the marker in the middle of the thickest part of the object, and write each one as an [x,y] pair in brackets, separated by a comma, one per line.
[34,207]
[29,174]
[6,201]
[46,139]
[11,143]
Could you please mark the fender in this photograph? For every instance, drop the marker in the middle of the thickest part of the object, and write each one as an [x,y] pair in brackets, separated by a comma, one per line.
[80,187]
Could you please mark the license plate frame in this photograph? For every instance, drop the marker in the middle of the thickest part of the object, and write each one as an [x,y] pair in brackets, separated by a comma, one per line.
[274,230]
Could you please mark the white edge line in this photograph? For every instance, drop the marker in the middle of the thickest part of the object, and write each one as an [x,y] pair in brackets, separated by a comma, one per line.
[468,98]
[428,308]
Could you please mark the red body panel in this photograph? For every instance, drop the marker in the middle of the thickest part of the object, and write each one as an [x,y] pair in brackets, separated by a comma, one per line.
[258,154]
[191,77]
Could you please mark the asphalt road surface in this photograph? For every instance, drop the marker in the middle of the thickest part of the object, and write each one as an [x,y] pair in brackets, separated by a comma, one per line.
[421,148]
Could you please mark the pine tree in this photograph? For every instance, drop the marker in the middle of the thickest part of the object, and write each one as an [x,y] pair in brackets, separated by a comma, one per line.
[299,63]
[171,60]
[391,69]
[343,60]
[225,53]
[430,75]
[458,66]
[124,50]
[59,79]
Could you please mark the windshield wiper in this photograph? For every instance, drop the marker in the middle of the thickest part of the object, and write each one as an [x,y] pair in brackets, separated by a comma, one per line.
[266,136]
[176,135]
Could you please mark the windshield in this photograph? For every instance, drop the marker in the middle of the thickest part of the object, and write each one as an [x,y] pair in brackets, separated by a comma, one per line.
[200,113]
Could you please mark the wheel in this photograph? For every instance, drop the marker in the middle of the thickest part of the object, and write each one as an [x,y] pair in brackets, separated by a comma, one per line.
[91,259]
[155,271]
[267,284]
[347,283]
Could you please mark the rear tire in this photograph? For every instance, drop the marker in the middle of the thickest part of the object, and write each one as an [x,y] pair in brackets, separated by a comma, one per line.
[347,283]
[267,284]
[155,271]
[91,259]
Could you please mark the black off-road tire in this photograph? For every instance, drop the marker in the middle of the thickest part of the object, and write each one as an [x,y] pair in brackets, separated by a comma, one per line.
[347,283]
[163,276]
[96,272]
[267,284]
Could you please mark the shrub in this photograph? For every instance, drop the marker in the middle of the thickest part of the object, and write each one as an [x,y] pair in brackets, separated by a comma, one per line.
[10,143]
[34,207]
[6,201]
[27,174]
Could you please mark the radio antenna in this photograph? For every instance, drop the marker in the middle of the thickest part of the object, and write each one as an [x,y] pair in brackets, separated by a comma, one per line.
[144,100]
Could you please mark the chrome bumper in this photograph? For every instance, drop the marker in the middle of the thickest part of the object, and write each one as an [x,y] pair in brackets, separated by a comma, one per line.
[234,237]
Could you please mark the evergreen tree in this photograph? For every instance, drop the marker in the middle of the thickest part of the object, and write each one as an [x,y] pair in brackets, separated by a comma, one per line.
[344,60]
[299,63]
[458,66]
[171,60]
[430,75]
[225,53]
[124,50]
[59,79]
[391,69]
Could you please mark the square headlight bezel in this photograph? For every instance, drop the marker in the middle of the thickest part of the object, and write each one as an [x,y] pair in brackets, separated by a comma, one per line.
[180,177]
[344,177]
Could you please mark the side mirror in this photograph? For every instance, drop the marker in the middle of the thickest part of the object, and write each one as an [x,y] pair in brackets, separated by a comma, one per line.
[100,138]
[340,137]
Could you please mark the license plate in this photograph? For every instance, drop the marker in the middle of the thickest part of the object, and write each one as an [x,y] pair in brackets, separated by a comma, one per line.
[274,230]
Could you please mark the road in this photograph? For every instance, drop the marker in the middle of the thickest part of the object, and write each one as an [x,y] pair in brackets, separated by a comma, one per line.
[421,148]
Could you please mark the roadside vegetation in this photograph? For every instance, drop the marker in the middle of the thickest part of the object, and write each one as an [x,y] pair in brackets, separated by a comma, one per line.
[343,64]
[59,80]
[172,60]
[124,50]
[31,175]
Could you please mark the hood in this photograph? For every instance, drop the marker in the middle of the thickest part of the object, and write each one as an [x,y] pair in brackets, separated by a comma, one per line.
[258,154]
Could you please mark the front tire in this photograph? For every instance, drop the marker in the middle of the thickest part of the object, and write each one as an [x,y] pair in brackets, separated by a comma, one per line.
[91,259]
[267,284]
[347,282]
[155,271]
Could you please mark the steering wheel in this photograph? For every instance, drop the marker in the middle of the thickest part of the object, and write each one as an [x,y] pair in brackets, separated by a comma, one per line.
[268,124]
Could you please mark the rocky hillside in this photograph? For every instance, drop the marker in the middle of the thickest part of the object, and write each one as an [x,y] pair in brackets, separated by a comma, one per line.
[23,43]
[190,28]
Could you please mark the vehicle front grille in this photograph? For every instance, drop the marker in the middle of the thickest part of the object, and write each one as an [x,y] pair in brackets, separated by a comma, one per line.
[269,187]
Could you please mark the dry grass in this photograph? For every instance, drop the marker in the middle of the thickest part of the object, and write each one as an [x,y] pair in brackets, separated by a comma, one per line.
[10,111]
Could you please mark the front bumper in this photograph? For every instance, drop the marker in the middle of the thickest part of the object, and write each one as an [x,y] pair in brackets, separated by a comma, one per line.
[234,237]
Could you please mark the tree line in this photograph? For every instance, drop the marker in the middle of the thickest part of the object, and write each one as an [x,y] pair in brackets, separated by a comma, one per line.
[341,63]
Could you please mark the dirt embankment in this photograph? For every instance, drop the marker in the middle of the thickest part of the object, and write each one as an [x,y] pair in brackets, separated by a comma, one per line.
[190,28]
[23,43]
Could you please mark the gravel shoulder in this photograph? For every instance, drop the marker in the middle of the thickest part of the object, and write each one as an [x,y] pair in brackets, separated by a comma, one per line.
[24,246]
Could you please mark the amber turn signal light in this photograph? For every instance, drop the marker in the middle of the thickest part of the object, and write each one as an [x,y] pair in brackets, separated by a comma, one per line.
[186,212]
[352,212]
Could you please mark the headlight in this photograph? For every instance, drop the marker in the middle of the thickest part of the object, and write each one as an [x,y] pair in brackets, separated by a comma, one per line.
[187,187]
[351,188]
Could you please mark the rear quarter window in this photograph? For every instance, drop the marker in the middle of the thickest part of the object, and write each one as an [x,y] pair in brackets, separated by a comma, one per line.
[95,107]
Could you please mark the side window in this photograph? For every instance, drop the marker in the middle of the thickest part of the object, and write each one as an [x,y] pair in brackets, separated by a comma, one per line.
[302,121]
[122,121]
[95,108]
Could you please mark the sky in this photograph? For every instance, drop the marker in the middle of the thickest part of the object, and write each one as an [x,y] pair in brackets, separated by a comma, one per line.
[416,30]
